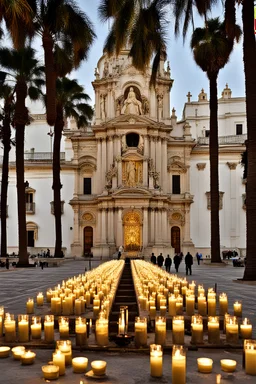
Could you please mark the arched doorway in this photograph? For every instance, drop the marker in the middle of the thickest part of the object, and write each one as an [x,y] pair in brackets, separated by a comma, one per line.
[175,239]
[88,240]
[132,231]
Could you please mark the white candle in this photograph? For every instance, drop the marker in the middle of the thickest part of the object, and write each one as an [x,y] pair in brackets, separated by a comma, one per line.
[49,328]
[152,312]
[10,328]
[156,360]
[101,332]
[204,365]
[160,330]
[250,357]
[178,365]
[64,327]
[190,305]
[66,348]
[232,330]
[228,365]
[50,372]
[81,331]
[178,330]
[246,329]
[218,379]
[213,330]
[36,327]
[202,305]
[79,364]
[40,299]
[238,309]
[17,352]
[78,307]
[99,367]
[223,303]
[28,358]
[179,305]
[59,359]
[30,306]
[23,328]
[197,329]
[4,352]
[140,331]
[172,305]
[211,304]
[1,325]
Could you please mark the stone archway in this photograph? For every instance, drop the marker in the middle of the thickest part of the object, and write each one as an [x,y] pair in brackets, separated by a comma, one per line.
[132,231]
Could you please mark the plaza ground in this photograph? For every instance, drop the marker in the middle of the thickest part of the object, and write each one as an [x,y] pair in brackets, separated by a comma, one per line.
[16,286]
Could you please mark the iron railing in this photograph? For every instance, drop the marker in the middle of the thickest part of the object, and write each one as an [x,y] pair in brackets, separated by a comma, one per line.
[30,207]
[41,156]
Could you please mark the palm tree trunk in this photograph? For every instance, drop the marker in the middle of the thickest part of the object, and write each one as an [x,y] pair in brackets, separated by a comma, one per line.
[50,75]
[230,18]
[20,119]
[5,176]
[59,124]
[250,90]
[214,171]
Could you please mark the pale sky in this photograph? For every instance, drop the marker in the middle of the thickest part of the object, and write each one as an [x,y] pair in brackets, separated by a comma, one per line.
[186,74]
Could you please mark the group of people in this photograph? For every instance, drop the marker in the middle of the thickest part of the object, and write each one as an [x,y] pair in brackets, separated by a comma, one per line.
[167,262]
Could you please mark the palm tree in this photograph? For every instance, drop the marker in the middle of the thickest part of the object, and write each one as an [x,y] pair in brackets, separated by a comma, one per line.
[212,48]
[6,95]
[71,101]
[25,69]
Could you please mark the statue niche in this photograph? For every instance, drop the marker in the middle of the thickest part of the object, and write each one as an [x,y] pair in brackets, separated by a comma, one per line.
[132,173]
[132,102]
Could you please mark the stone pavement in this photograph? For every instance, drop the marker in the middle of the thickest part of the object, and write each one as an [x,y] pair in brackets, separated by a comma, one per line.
[123,367]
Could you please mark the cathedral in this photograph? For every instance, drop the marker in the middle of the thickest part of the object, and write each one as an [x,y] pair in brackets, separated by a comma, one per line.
[137,177]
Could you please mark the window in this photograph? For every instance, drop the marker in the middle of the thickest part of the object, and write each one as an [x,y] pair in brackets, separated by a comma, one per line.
[239,129]
[32,233]
[176,184]
[30,238]
[207,133]
[87,186]
[132,140]
[61,207]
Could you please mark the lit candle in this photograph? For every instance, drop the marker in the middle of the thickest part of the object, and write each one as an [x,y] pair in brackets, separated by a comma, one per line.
[36,327]
[197,329]
[79,364]
[101,332]
[59,359]
[160,330]
[64,327]
[4,352]
[49,328]
[140,331]
[172,305]
[250,357]
[213,330]
[223,304]
[232,330]
[10,328]
[81,331]
[49,295]
[178,330]
[211,300]
[190,305]
[202,305]
[178,365]
[246,329]
[66,348]
[152,312]
[17,352]
[238,309]
[162,310]
[218,379]
[228,365]
[78,307]
[40,299]
[30,306]
[200,290]
[1,325]
[156,360]
[23,328]
[204,365]
[96,311]
[179,305]
[28,358]
[99,367]
[50,372]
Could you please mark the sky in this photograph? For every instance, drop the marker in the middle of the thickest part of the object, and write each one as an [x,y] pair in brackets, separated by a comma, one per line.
[186,74]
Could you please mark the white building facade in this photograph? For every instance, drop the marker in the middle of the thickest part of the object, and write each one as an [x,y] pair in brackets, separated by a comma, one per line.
[137,177]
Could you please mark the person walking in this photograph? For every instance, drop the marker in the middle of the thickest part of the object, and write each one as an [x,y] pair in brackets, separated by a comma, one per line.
[160,260]
[189,263]
[168,263]
[153,258]
[177,261]
[198,258]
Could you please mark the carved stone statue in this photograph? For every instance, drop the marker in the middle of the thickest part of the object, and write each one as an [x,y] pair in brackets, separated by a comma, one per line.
[124,145]
[106,69]
[102,107]
[132,105]
[160,105]
[131,174]
[141,144]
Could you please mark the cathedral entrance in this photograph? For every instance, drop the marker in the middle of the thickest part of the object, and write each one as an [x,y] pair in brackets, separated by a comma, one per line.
[132,231]
[88,240]
[175,239]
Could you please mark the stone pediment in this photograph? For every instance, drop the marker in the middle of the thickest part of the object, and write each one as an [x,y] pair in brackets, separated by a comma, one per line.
[132,120]
[132,154]
[134,192]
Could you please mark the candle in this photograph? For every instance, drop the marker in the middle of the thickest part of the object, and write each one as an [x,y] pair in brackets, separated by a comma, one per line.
[101,332]
[190,305]
[246,329]
[204,365]
[152,312]
[238,309]
[178,365]
[160,330]
[23,328]
[49,295]
[96,311]
[197,329]
[17,352]
[49,328]
[250,357]
[211,300]
[36,327]
[162,310]
[40,299]
[64,327]
[218,379]
[178,330]
[172,305]
[226,319]
[30,306]
[78,307]
[200,290]
[1,325]
[228,365]
[50,372]
[28,358]
[79,364]
[223,304]
[10,328]
[59,359]
[66,348]
[156,360]
[213,330]
[140,331]
[179,305]
[99,367]
[81,331]
[4,352]
[232,330]
[202,305]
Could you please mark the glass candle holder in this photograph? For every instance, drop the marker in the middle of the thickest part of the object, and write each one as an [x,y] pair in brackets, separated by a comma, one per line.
[28,358]
[36,327]
[1,320]
[101,332]
[65,347]
[49,328]
[160,330]
[178,330]
[238,309]
[156,360]
[9,328]
[140,331]
[81,331]
[250,357]
[204,365]
[63,327]
[30,306]
[211,303]
[123,321]
[17,352]
[172,305]
[246,329]
[179,305]
[23,328]
[232,330]
[223,304]
[79,364]
[40,299]
[213,330]
[190,304]
[58,359]
[197,329]
[178,365]
[50,372]
[202,305]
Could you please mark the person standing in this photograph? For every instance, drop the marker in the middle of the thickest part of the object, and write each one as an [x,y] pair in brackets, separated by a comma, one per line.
[168,263]
[160,260]
[153,258]
[189,263]
[198,258]
[177,261]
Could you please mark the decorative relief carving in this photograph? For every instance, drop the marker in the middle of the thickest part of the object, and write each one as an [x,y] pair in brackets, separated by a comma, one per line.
[208,195]
[110,174]
[87,218]
[175,165]
[176,217]
[232,166]
[201,166]
[132,173]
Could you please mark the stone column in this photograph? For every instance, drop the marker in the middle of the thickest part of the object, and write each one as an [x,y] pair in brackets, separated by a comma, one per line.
[152,226]
[119,235]
[164,166]
[119,172]
[146,145]
[145,172]
[145,227]
[103,163]
[77,183]
[103,226]
[98,227]
[164,226]
[158,159]
[152,149]
[110,226]
[97,106]
[159,221]
[110,151]
[187,225]
[233,211]
[76,224]
[99,170]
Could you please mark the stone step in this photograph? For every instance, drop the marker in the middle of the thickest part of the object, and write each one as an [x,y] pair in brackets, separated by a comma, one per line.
[125,299]
[125,292]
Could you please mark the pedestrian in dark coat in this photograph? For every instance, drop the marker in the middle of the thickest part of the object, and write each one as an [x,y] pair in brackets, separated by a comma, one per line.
[160,260]
[153,258]
[189,263]
[177,261]
[198,258]
[168,263]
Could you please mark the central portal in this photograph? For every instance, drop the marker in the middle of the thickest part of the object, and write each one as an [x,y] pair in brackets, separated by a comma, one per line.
[132,231]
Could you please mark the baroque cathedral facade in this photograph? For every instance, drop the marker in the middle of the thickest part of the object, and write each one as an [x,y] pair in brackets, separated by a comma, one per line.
[137,177]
